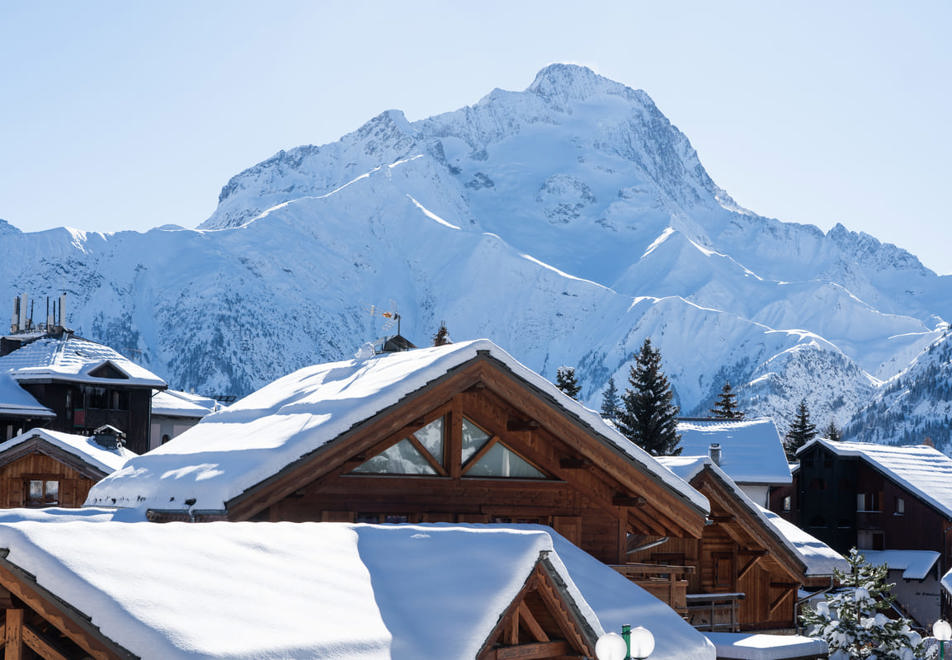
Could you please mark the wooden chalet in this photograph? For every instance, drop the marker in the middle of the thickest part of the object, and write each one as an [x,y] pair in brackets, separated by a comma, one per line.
[409,592]
[64,382]
[43,468]
[459,433]
[744,573]
[892,502]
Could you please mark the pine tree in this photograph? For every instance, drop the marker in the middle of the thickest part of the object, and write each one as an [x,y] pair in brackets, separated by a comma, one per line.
[852,623]
[832,432]
[565,381]
[442,336]
[726,405]
[801,431]
[610,401]
[648,417]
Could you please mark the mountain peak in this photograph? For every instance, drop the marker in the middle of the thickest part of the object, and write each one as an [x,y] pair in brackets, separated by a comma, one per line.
[562,83]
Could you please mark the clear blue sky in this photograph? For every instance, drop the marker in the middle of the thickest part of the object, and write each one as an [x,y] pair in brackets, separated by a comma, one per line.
[129,115]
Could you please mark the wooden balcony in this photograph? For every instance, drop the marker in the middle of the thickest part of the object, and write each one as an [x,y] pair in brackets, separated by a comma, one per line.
[713,612]
[664,582]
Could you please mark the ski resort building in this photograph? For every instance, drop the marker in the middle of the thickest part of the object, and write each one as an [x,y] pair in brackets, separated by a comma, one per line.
[44,468]
[403,592]
[174,412]
[749,451]
[892,502]
[461,433]
[60,381]
[746,570]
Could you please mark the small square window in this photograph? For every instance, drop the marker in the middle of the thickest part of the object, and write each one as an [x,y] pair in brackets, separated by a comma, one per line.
[41,493]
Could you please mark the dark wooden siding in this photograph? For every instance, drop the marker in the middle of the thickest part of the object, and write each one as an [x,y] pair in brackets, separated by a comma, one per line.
[14,477]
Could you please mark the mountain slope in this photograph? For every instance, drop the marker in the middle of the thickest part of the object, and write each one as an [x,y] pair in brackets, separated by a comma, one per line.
[567,222]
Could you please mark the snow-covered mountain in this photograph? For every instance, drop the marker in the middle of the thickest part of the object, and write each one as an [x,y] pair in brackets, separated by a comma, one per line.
[566,222]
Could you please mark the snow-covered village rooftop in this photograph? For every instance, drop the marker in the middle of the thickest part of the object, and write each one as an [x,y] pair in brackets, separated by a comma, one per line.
[174,403]
[14,400]
[72,358]
[256,437]
[921,469]
[751,450]
[320,590]
[818,558]
[105,459]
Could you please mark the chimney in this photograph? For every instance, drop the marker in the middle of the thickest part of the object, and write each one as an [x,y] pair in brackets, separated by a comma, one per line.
[49,319]
[15,323]
[109,437]
[62,310]
[715,452]
[22,320]
[928,442]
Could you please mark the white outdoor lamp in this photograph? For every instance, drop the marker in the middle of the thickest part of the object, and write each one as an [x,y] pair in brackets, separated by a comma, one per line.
[632,644]
[611,646]
[642,643]
[942,631]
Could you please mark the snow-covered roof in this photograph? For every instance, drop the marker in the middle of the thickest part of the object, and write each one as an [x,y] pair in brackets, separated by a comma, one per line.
[258,436]
[82,447]
[759,646]
[818,558]
[72,358]
[173,403]
[920,469]
[16,401]
[751,449]
[329,590]
[915,564]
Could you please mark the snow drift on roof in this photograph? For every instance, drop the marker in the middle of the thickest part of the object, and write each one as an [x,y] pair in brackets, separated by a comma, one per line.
[82,447]
[915,564]
[759,646]
[330,590]
[920,469]
[751,450]
[173,403]
[256,437]
[818,558]
[16,401]
[72,358]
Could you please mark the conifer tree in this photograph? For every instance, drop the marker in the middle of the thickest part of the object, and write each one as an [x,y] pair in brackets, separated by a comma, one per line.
[852,621]
[610,401]
[726,405]
[801,431]
[442,336]
[832,432]
[648,416]
[565,381]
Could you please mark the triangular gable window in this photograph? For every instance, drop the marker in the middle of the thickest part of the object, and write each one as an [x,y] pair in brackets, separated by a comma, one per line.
[485,456]
[421,454]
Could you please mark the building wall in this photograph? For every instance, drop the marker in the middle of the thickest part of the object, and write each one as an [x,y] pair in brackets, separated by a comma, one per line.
[920,598]
[172,427]
[15,476]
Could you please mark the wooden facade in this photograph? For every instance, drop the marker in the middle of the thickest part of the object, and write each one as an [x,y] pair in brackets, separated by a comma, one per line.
[582,485]
[744,577]
[37,474]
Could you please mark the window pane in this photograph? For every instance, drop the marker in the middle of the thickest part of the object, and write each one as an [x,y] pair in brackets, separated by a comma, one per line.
[501,462]
[402,458]
[473,439]
[431,437]
[36,491]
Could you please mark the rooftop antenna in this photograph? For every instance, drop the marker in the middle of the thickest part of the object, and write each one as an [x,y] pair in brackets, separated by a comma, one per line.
[392,316]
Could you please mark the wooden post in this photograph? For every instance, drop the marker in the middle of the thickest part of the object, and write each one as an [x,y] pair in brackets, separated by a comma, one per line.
[13,641]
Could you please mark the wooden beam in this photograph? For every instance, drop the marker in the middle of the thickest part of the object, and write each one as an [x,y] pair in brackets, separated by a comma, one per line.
[531,651]
[525,617]
[521,425]
[38,644]
[726,518]
[779,600]
[628,500]
[570,463]
[748,567]
[60,614]
[512,629]
[13,639]
[479,454]
[425,453]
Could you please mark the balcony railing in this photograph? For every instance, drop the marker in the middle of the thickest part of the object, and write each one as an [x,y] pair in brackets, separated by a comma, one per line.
[663,581]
